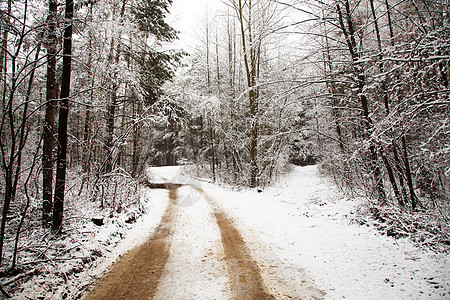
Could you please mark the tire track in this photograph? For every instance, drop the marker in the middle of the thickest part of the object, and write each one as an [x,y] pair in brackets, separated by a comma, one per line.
[245,276]
[137,273]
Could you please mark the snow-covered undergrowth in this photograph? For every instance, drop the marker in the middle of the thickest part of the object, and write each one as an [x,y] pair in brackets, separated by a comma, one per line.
[427,229]
[304,223]
[98,227]
[428,226]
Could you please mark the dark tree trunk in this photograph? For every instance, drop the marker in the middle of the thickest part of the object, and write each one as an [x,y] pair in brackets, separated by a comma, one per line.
[213,151]
[386,107]
[392,179]
[50,112]
[409,180]
[109,143]
[251,56]
[61,162]
[136,140]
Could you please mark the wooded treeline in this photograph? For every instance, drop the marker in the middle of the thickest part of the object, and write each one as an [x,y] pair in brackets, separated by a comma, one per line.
[242,97]
[386,65]
[79,84]
[360,85]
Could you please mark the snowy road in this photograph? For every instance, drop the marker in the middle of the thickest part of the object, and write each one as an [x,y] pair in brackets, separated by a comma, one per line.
[290,241]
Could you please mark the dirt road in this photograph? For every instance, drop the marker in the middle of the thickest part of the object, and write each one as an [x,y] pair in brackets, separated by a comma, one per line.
[196,253]
[136,274]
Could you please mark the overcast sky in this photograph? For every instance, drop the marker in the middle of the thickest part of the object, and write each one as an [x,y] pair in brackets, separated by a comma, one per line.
[185,16]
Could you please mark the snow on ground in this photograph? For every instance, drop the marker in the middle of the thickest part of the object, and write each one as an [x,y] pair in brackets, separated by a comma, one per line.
[43,286]
[163,174]
[303,223]
[196,267]
[298,232]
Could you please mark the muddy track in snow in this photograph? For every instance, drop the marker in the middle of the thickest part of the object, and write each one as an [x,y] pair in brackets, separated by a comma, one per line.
[136,275]
[245,276]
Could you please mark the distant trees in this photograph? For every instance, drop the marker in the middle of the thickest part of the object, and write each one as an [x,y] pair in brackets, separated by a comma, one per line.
[244,112]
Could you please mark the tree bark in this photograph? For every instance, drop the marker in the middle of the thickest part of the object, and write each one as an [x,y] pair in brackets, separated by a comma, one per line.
[109,143]
[213,150]
[50,112]
[136,139]
[409,180]
[61,162]
[251,61]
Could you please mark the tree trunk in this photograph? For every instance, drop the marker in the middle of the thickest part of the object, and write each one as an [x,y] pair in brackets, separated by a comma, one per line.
[219,86]
[251,62]
[208,68]
[386,107]
[50,112]
[328,68]
[22,140]
[111,109]
[5,38]
[8,165]
[409,180]
[231,58]
[407,172]
[87,133]
[61,162]
[109,143]
[136,140]
[213,150]
[16,137]
[361,81]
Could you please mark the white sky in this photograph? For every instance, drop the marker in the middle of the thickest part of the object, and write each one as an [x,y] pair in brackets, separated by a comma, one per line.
[185,16]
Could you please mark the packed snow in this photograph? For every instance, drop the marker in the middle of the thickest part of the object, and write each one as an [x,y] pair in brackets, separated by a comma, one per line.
[196,267]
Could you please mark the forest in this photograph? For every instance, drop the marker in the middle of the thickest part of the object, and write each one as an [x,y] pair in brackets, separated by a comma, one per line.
[94,92]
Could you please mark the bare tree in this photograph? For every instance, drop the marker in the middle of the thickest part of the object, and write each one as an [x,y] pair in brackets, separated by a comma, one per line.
[61,163]
[50,113]
[14,125]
